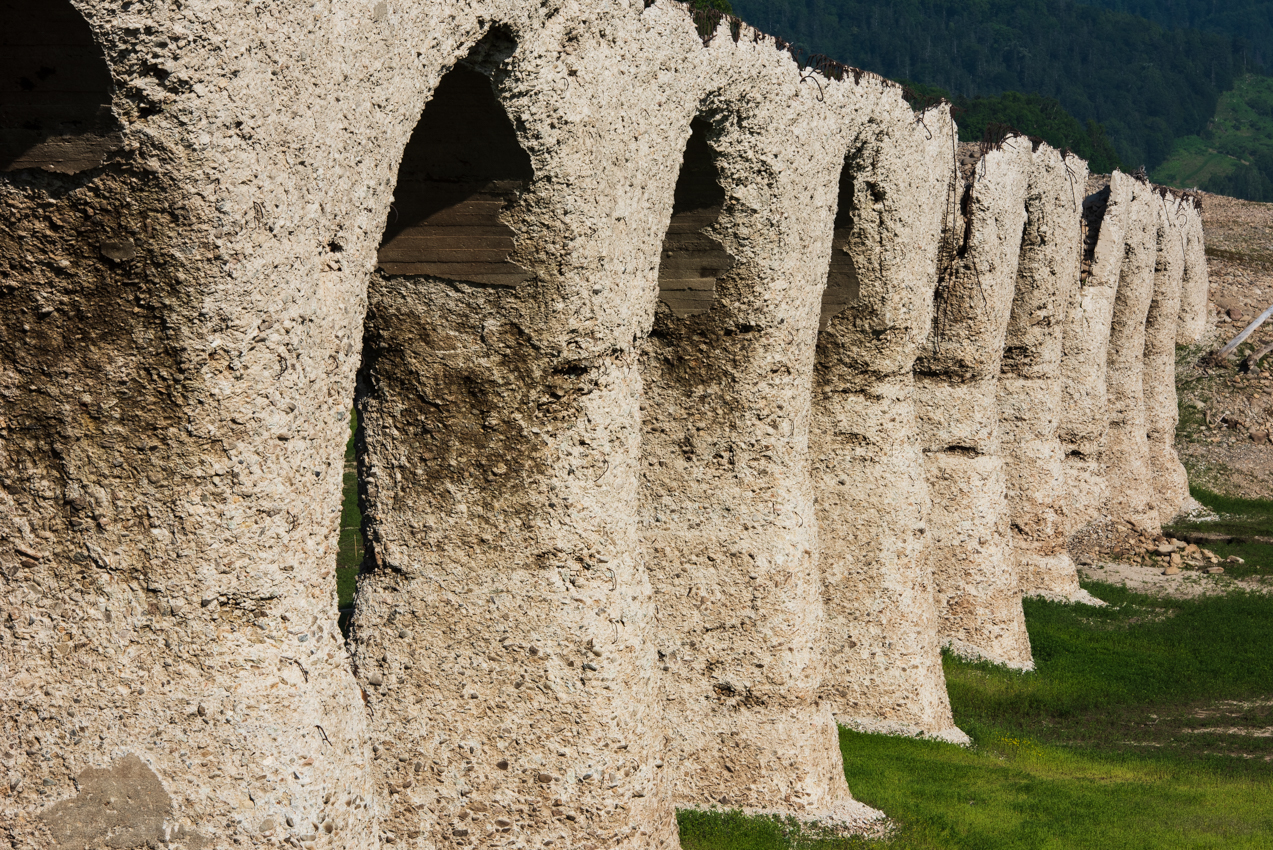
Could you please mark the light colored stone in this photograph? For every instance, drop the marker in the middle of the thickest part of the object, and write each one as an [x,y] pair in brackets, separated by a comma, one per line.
[490,514]
[1196,315]
[1126,450]
[1170,487]
[1084,411]
[727,507]
[141,414]
[1029,392]
[975,578]
[883,653]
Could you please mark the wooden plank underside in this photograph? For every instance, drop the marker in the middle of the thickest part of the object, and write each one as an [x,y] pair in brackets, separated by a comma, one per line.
[842,287]
[487,275]
[446,232]
[690,262]
[698,284]
[444,254]
[64,154]
[688,303]
[452,230]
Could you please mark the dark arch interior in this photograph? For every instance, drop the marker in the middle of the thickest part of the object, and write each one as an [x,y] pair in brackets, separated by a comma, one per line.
[55,90]
[691,260]
[461,168]
[842,279]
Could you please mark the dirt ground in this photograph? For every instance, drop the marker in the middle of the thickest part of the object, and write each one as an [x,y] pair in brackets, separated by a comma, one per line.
[1226,415]
[1187,584]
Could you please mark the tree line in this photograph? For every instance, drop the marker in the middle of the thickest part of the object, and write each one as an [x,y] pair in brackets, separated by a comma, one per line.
[1114,87]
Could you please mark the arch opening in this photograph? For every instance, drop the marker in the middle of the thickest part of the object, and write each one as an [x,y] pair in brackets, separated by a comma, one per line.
[55,90]
[842,279]
[691,259]
[460,171]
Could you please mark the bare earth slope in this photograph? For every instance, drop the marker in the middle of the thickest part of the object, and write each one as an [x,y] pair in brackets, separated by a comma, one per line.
[1226,415]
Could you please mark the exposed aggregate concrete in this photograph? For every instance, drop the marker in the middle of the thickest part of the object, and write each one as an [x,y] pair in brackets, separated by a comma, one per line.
[975,577]
[1126,447]
[1084,421]
[1170,485]
[621,559]
[1030,381]
[883,651]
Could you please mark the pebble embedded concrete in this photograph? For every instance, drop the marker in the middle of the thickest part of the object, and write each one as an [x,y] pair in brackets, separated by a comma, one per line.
[1085,351]
[883,652]
[621,560]
[1126,447]
[1170,486]
[975,577]
[1030,381]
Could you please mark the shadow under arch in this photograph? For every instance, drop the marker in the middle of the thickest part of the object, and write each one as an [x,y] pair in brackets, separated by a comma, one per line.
[842,287]
[691,261]
[461,169]
[55,90]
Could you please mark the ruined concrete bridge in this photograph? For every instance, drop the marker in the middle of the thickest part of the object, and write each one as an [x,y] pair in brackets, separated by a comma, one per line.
[705,396]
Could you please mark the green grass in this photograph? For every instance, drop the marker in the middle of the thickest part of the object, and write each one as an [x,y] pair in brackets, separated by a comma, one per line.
[1241,132]
[1192,162]
[1100,747]
[1017,793]
[1103,671]
[1240,518]
[349,555]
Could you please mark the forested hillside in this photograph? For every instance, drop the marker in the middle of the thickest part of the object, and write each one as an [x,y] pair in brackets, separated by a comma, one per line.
[1146,85]
[1234,155]
[1248,20]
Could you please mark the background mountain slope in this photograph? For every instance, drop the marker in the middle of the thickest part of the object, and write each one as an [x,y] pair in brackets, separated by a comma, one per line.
[1251,21]
[1234,154]
[1145,84]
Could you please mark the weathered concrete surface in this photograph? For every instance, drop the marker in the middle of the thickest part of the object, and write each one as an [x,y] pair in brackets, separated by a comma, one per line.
[727,506]
[175,376]
[975,578]
[124,805]
[1126,451]
[883,657]
[1029,392]
[1170,484]
[505,635]
[1196,315]
[1084,414]
[180,333]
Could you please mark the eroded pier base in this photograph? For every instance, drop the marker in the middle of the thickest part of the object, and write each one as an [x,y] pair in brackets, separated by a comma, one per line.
[975,577]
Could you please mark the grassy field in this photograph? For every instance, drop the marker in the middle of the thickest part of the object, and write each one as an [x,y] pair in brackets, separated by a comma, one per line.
[1242,518]
[1193,160]
[1241,130]
[1146,725]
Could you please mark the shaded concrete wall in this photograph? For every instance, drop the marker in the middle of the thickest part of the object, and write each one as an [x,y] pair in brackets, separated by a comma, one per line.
[883,653]
[1029,391]
[975,577]
[1127,471]
[727,506]
[1170,484]
[1084,418]
[509,613]
[177,372]
[179,350]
